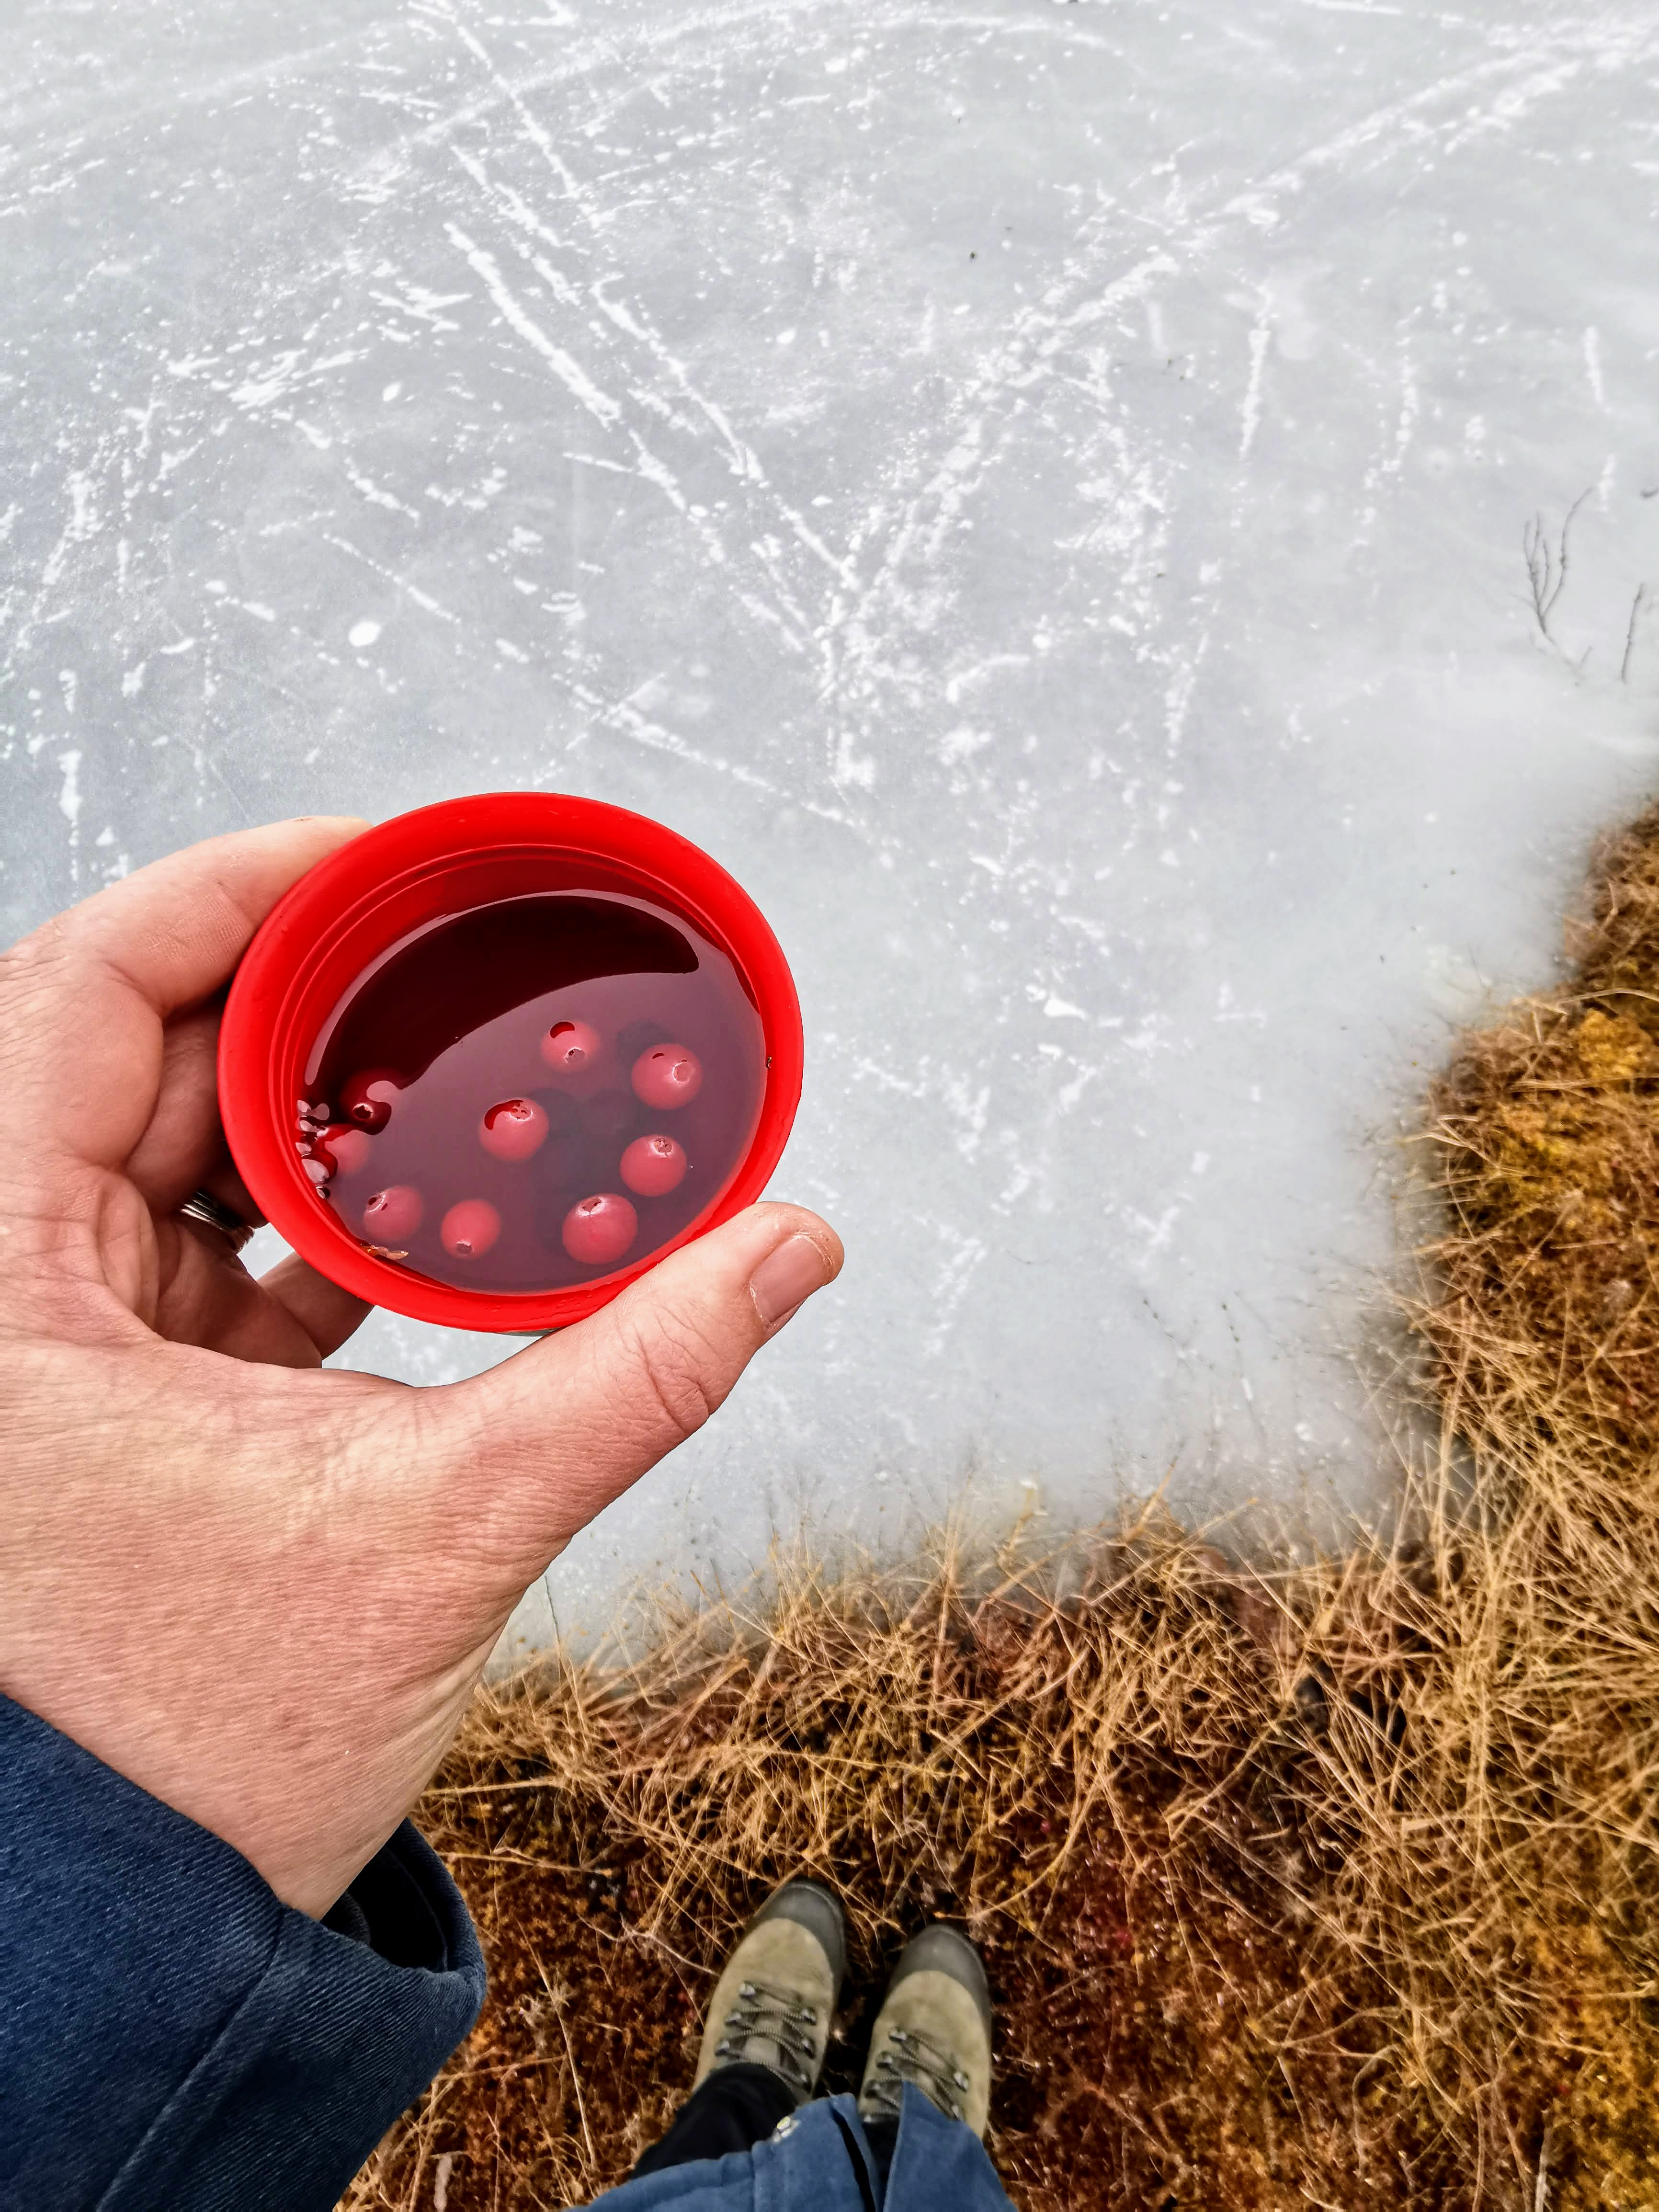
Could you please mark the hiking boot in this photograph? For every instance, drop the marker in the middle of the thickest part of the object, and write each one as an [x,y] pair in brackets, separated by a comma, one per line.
[773,2003]
[933,2029]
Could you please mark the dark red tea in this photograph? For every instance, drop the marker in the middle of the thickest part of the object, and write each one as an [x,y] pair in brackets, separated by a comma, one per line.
[534,1093]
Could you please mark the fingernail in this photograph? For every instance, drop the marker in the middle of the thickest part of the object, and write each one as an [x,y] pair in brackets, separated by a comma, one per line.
[787,1278]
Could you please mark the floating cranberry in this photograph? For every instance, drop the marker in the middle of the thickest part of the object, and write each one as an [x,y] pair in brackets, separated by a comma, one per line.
[572,1047]
[392,1215]
[654,1166]
[513,1129]
[344,1148]
[666,1075]
[598,1231]
[468,1231]
[367,1100]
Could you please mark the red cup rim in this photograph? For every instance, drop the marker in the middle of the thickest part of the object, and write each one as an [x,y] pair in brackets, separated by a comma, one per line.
[262,1046]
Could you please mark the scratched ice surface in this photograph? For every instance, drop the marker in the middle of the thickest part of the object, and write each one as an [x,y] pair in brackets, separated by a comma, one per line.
[1037,489]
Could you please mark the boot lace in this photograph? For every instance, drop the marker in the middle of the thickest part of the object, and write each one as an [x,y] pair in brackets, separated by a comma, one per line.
[778,2017]
[909,2056]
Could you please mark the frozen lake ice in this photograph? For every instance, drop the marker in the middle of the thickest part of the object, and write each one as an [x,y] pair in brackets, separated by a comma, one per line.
[1037,489]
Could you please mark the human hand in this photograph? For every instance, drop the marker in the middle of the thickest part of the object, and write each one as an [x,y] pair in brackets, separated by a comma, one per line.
[262,1589]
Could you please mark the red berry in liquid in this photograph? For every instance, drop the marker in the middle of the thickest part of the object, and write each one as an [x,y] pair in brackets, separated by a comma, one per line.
[572,1047]
[367,1100]
[598,1231]
[666,1075]
[392,1216]
[654,1166]
[344,1148]
[513,1129]
[468,1231]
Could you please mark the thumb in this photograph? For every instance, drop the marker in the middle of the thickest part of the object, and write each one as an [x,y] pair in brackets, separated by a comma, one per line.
[549,1438]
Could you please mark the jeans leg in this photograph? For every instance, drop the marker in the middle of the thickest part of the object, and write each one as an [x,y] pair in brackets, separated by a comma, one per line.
[736,2107]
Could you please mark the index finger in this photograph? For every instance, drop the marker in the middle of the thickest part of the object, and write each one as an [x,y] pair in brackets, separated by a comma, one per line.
[82,1001]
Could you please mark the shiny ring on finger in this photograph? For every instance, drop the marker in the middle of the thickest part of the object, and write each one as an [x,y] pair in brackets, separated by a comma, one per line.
[202,1205]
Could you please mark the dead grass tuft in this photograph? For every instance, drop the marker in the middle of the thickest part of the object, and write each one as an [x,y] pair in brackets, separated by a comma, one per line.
[1329,1885]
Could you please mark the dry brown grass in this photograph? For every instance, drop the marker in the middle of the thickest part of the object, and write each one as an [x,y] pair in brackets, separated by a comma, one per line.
[1329,1884]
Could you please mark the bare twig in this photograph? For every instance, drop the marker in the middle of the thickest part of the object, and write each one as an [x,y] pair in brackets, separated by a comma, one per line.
[1629,633]
[555,1998]
[1547,563]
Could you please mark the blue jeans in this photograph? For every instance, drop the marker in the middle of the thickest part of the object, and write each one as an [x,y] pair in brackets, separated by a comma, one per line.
[820,2159]
[174,2038]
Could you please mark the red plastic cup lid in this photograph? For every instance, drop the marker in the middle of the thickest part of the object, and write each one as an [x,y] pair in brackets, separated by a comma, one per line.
[417,868]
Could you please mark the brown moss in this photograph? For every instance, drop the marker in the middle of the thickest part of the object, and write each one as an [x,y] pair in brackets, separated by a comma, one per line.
[1334,1884]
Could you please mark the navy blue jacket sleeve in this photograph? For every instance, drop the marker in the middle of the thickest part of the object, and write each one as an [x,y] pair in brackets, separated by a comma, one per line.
[173,2038]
